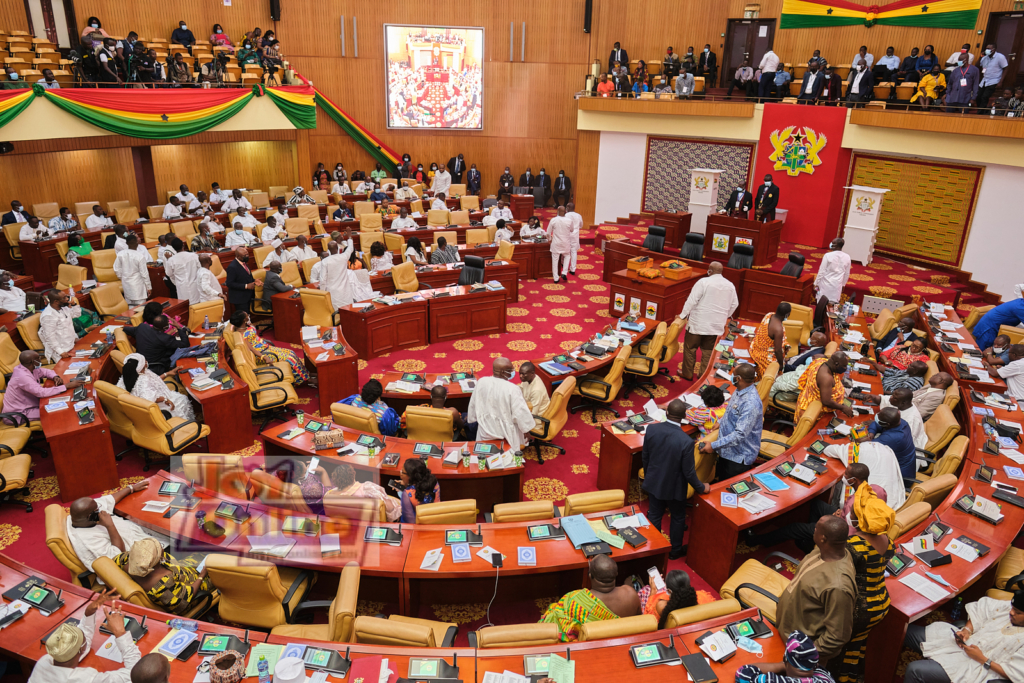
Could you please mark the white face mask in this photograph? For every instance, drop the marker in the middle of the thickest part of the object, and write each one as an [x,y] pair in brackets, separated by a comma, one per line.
[960,63]
[542,172]
[219,31]
[184,27]
[767,183]
[13,76]
[998,349]
[988,52]
[238,231]
[739,189]
[706,50]
[561,175]
[94,25]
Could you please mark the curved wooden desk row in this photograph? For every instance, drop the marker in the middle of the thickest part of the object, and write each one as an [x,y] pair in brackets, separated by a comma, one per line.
[390,572]
[948,364]
[596,660]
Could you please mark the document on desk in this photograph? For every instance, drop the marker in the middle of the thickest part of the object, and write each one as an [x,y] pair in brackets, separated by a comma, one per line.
[741,353]
[156,506]
[962,550]
[505,677]
[1013,455]
[636,521]
[755,503]
[432,560]
[927,588]
[561,670]
[578,530]
[652,409]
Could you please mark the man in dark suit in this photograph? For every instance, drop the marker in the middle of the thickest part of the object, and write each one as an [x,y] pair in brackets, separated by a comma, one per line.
[17,214]
[817,342]
[618,55]
[457,166]
[563,189]
[506,184]
[544,181]
[766,199]
[739,203]
[862,84]
[157,343]
[669,467]
[240,282]
[707,66]
[473,180]
[527,179]
[274,284]
[119,233]
[814,81]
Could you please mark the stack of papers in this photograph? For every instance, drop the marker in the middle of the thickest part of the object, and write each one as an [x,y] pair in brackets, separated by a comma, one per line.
[1013,455]
[962,550]
[921,585]
[578,530]
[504,677]
[156,506]
[636,521]
[652,409]
[274,544]
[560,670]
[330,543]
[755,503]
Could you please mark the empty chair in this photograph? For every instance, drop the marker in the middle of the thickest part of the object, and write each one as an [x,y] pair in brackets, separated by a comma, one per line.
[882,325]
[404,277]
[370,222]
[459,217]
[399,631]
[341,612]
[69,276]
[619,628]
[257,593]
[908,517]
[742,256]
[505,251]
[593,501]
[103,266]
[931,491]
[447,512]
[655,240]
[756,585]
[646,364]
[318,309]
[518,635]
[473,272]
[198,313]
[477,236]
[795,265]
[693,247]
[270,490]
[108,300]
[28,328]
[523,511]
[599,392]
[220,472]
[469,203]
[437,218]
[424,423]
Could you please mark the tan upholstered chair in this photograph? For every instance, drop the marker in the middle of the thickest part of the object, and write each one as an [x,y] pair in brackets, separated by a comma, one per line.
[518,635]
[600,392]
[257,593]
[476,236]
[399,631]
[747,583]
[805,316]
[424,423]
[318,309]
[359,208]
[460,217]
[774,444]
[28,328]
[950,461]
[369,222]
[505,251]
[341,613]
[450,236]
[44,212]
[70,276]
[108,300]
[103,266]
[469,203]
[554,418]
[1011,564]
[354,509]
[593,501]
[197,313]
[709,610]
[437,218]
[130,591]
[447,512]
[355,418]
[908,517]
[975,315]
[404,277]
[268,398]
[154,434]
[882,325]
[56,521]
[645,364]
[619,628]
[941,428]
[220,472]
[931,491]
[523,511]
[271,491]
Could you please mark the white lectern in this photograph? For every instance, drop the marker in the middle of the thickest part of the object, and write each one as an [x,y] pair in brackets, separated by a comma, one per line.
[862,222]
[703,196]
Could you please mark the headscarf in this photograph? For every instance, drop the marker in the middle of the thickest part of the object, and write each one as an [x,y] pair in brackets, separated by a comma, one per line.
[874,516]
[800,652]
[64,643]
[145,554]
[134,365]
[299,190]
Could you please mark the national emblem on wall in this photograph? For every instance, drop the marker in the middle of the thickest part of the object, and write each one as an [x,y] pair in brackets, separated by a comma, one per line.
[796,150]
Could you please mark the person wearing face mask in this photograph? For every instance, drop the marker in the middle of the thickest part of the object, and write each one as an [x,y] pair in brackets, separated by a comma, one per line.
[219,38]
[419,175]
[834,271]
[799,665]
[93,34]
[889,429]
[831,87]
[810,89]
[707,66]
[902,399]
[247,54]
[544,182]
[684,83]
[689,60]
[497,409]
[927,60]
[992,66]
[527,179]
[17,214]
[740,202]
[57,325]
[964,55]
[442,181]
[1012,372]
[862,84]
[182,36]
[339,174]
[617,55]
[962,85]
[238,236]
[107,72]
[930,88]
[997,355]
[766,200]
[562,191]
[25,387]
[908,68]
[670,63]
[506,183]
[473,181]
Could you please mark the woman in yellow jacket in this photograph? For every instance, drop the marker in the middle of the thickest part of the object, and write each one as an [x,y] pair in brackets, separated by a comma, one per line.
[931,88]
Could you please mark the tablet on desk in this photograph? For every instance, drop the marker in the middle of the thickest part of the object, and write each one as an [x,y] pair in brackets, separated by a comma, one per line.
[36,595]
[313,426]
[818,447]
[536,664]
[456,536]
[170,488]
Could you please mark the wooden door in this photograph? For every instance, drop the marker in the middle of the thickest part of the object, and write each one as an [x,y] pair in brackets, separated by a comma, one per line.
[1006,31]
[746,39]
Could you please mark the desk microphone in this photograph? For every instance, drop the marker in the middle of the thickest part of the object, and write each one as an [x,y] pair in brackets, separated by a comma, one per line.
[246,639]
[143,622]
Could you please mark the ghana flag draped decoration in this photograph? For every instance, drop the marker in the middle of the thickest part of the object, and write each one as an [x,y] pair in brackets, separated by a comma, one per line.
[962,14]
[377,149]
[297,102]
[13,102]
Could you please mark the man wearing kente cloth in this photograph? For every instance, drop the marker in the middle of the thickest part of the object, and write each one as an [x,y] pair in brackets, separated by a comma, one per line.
[603,601]
[769,343]
[823,381]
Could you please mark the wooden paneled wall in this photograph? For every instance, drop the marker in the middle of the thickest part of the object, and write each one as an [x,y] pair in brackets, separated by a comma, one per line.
[12,15]
[102,175]
[234,164]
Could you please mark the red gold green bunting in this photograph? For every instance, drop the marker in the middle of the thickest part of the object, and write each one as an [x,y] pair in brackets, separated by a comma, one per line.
[297,102]
[13,102]
[962,14]
[387,157]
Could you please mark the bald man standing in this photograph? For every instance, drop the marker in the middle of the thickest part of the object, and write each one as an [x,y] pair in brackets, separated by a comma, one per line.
[712,300]
[497,409]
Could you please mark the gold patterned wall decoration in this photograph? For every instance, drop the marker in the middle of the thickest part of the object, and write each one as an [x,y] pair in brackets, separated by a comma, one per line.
[927,214]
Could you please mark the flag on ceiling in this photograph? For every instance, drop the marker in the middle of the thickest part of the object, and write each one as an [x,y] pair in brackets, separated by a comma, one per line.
[960,14]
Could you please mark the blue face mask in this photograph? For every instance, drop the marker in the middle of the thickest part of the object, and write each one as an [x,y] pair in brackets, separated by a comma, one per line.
[880,425]
[751,646]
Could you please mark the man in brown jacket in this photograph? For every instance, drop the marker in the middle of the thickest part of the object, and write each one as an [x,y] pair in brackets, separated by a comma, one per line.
[820,599]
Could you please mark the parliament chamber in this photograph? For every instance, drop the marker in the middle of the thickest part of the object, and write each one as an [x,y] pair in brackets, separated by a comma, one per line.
[643,355]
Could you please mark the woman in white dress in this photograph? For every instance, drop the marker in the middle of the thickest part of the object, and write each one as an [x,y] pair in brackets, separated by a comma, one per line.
[138,380]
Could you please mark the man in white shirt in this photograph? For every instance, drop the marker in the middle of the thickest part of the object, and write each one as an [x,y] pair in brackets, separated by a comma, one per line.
[245,218]
[891,63]
[208,288]
[173,209]
[497,409]
[210,220]
[863,53]
[833,272]
[120,233]
[1012,372]
[63,222]
[560,236]
[69,644]
[768,66]
[314,272]
[164,251]
[97,220]
[335,277]
[271,232]
[32,230]
[183,270]
[12,299]
[239,237]
[218,195]
[301,251]
[963,53]
[56,326]
[439,204]
[279,216]
[234,201]
[442,181]
[403,222]
[185,197]
[501,211]
[502,232]
[278,255]
[902,399]
[536,395]
[94,531]
[574,242]
[712,300]
[130,266]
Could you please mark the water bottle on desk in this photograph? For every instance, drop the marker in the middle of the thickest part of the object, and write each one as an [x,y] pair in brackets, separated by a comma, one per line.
[206,323]
[263,667]
[184,625]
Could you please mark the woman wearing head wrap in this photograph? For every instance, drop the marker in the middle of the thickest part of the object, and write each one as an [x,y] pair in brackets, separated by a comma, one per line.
[299,196]
[168,583]
[138,380]
[799,665]
[870,548]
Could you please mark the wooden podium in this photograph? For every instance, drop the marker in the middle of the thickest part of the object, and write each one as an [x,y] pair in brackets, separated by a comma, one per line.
[724,231]
[522,207]
[862,217]
[676,226]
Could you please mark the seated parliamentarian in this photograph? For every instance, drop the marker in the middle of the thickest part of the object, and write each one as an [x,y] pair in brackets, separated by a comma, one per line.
[24,388]
[173,209]
[273,284]
[707,416]
[266,352]
[438,398]
[816,346]
[890,429]
[403,222]
[438,204]
[997,355]
[341,187]
[532,229]
[97,219]
[77,247]
[299,196]
[342,481]
[990,647]
[301,251]
[1012,372]
[278,255]
[414,251]
[272,232]
[64,221]
[156,341]
[502,211]
[12,299]
[33,230]
[502,233]
[369,399]
[138,380]
[497,409]
[902,399]
[900,357]
[822,381]
[238,237]
[893,378]
[534,391]
[601,602]
[386,209]
[94,531]
[380,258]
[234,202]
[246,219]
[898,336]
[280,216]
[799,665]
[445,252]
[342,213]
[174,586]
[204,241]
[419,486]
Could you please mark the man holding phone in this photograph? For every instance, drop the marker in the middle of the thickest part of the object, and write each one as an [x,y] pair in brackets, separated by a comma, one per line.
[94,531]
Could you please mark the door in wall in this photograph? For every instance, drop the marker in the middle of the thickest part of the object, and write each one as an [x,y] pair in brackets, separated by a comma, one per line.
[745,39]
[1006,31]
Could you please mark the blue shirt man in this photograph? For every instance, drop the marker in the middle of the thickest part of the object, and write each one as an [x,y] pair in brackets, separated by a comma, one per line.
[739,432]
[992,65]
[891,430]
[1010,313]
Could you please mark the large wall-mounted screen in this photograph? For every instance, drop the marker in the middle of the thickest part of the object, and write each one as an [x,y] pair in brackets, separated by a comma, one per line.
[434,76]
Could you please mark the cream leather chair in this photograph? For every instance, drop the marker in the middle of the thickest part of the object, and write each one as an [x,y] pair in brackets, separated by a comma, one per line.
[975,315]
[368,510]
[355,418]
[15,466]
[341,613]
[266,374]
[710,610]
[1011,565]
[122,342]
[908,517]
[805,316]
[476,236]
[28,328]
[269,398]
[523,511]
[369,222]
[11,232]
[756,585]
[764,386]
[279,191]
[220,472]
[367,238]
[599,392]
[447,512]
[554,418]
[151,231]
[950,461]
[153,433]
[307,268]
[70,276]
[120,423]
[505,251]
[273,492]
[112,207]
[108,300]
[1015,334]
[255,593]
[424,423]
[941,428]
[460,217]
[932,491]
[518,635]
[450,236]
[882,325]
[127,215]
[645,364]
[56,520]
[437,218]
[197,313]
[469,203]
[9,353]
[44,212]
[130,591]
[103,266]
[399,631]
[318,309]
[86,207]
[404,277]
[593,501]
[457,190]
[359,208]
[619,628]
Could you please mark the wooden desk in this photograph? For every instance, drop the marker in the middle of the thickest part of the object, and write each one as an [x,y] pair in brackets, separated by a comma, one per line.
[677,226]
[457,398]
[466,314]
[764,237]
[40,259]
[522,206]
[337,376]
[226,411]
[25,634]
[948,364]
[666,296]
[505,272]
[385,328]
[288,311]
